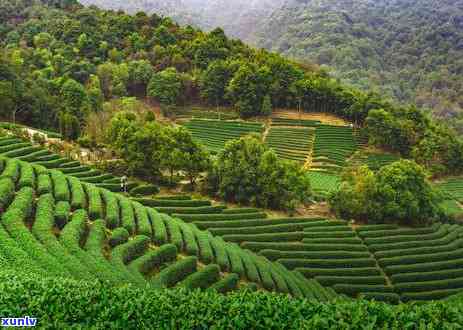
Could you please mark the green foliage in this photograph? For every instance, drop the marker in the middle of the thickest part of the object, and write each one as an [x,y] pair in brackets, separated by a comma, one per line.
[165,86]
[397,192]
[248,173]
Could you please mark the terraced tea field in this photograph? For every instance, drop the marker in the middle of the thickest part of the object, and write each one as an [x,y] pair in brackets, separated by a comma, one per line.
[57,225]
[324,183]
[332,147]
[383,262]
[13,147]
[215,133]
[291,143]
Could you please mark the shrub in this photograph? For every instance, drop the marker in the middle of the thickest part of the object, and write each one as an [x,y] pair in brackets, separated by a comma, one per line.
[189,241]
[332,280]
[6,192]
[226,284]
[14,222]
[258,246]
[326,255]
[421,250]
[175,273]
[313,272]
[11,170]
[127,215]
[152,259]
[174,232]
[424,267]
[61,187]
[144,190]
[427,276]
[429,295]
[354,289]
[321,263]
[272,237]
[95,202]
[391,298]
[454,283]
[159,228]
[203,278]
[206,254]
[143,222]
[220,252]
[78,198]
[42,229]
[126,252]
[415,259]
[118,236]
[112,209]
[62,213]
[44,185]
[236,262]
[172,203]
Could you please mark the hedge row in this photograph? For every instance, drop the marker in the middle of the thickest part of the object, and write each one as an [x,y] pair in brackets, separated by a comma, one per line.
[251,222]
[126,252]
[292,263]
[10,147]
[190,210]
[397,232]
[114,187]
[147,189]
[448,236]
[340,240]
[61,187]
[312,272]
[142,220]
[7,190]
[174,197]
[258,246]
[33,156]
[391,298]
[11,170]
[330,234]
[62,213]
[241,210]
[421,250]
[174,232]
[94,246]
[96,179]
[172,203]
[14,221]
[454,283]
[77,169]
[273,237]
[70,163]
[78,196]
[354,289]
[176,272]
[329,229]
[159,228]
[87,174]
[18,152]
[427,276]
[154,259]
[189,240]
[203,278]
[118,236]
[127,215]
[258,230]
[43,230]
[421,258]
[226,284]
[327,255]
[54,162]
[360,280]
[44,185]
[425,267]
[367,228]
[219,251]
[208,217]
[95,202]
[429,295]
[112,209]
[206,255]
[405,238]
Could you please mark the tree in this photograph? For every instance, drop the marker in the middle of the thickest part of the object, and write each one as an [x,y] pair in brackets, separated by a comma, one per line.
[397,192]
[165,86]
[266,106]
[140,74]
[95,94]
[214,82]
[74,97]
[247,172]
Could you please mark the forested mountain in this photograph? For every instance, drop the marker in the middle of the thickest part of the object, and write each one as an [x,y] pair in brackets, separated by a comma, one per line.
[412,50]
[409,50]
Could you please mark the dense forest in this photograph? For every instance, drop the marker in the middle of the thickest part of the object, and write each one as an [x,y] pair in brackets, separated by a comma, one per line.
[409,51]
